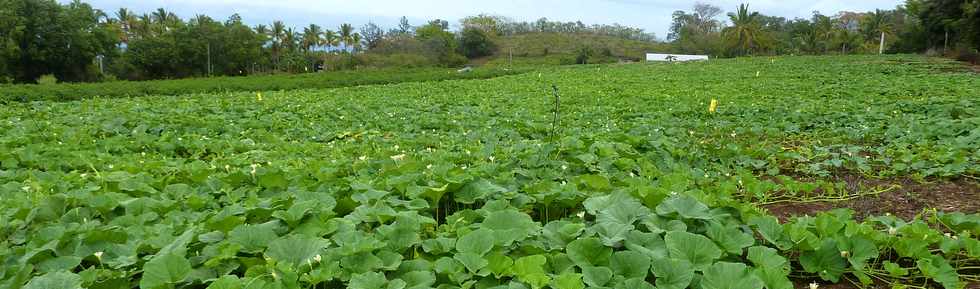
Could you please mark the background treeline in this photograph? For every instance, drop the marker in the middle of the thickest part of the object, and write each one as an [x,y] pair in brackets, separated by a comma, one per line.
[933,26]
[76,43]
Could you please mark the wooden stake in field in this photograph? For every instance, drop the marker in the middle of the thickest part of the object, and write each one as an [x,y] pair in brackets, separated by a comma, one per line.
[881,46]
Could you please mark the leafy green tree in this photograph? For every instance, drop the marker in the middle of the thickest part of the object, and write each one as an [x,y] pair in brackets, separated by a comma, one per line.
[373,35]
[746,35]
[698,32]
[439,43]
[346,34]
[475,42]
[41,37]
[330,38]
[312,37]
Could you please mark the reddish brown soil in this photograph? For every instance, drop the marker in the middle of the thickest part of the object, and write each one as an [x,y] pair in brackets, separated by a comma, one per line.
[906,199]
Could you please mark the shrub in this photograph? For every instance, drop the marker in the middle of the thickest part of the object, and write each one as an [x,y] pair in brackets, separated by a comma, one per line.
[474,43]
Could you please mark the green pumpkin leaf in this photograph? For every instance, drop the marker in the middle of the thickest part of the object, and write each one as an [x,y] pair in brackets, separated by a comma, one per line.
[672,273]
[164,270]
[499,264]
[730,238]
[826,261]
[771,231]
[697,249]
[419,279]
[226,282]
[588,252]
[478,242]
[684,206]
[568,280]
[773,277]
[895,270]
[296,250]
[725,275]
[369,280]
[596,276]
[509,226]
[647,243]
[765,257]
[530,265]
[635,283]
[858,250]
[630,264]
[472,261]
[560,233]
[59,280]
[253,238]
[939,270]
[478,190]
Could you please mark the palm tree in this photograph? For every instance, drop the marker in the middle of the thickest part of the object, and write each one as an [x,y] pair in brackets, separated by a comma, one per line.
[312,37]
[346,35]
[330,38]
[746,33]
[875,26]
[846,39]
[127,20]
[823,27]
[290,39]
[356,38]
[277,33]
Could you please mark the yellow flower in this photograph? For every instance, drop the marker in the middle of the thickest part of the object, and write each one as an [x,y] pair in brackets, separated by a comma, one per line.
[714,106]
[258,96]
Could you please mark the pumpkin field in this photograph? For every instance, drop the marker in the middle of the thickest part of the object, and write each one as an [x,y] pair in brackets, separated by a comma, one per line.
[745,173]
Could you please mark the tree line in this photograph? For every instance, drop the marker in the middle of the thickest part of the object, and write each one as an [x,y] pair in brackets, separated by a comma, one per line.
[75,42]
[935,26]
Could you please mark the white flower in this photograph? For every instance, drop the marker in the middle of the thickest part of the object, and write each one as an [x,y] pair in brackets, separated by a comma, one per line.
[84,175]
[844,254]
[581,215]
[564,167]
[428,167]
[814,285]
[317,258]
[111,166]
[362,158]
[98,255]
[398,157]
[396,147]
[26,188]
[491,159]
[892,230]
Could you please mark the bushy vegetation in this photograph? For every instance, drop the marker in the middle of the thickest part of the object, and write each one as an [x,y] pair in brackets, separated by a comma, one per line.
[917,26]
[77,43]
[116,89]
[630,181]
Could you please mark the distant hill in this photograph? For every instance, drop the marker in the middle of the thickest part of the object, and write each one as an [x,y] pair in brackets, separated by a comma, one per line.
[561,48]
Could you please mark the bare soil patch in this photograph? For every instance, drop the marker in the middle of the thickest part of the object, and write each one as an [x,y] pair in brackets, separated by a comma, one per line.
[906,199]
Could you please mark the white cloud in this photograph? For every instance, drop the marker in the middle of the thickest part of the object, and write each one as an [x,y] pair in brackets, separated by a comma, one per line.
[652,15]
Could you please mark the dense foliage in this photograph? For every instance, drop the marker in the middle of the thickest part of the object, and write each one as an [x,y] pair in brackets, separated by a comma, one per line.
[918,26]
[115,89]
[632,183]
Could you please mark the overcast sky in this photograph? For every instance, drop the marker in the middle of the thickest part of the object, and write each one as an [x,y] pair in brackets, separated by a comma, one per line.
[651,15]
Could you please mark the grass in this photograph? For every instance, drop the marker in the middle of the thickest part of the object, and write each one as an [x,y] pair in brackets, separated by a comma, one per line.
[116,89]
